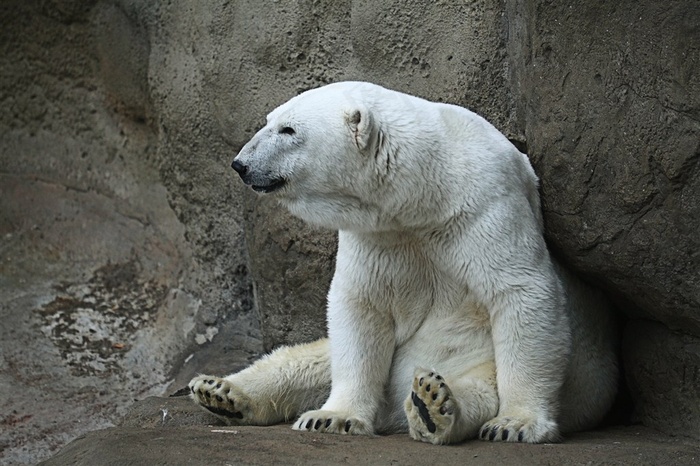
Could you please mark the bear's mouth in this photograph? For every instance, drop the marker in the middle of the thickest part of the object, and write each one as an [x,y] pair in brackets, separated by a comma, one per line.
[268,188]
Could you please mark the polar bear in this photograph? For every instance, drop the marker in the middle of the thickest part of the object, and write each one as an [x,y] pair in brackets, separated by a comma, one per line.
[447,317]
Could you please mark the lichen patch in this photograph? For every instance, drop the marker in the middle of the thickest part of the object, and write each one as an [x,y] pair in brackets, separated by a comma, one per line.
[93,324]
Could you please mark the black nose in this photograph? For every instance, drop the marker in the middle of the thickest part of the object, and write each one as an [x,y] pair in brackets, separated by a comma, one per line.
[239,167]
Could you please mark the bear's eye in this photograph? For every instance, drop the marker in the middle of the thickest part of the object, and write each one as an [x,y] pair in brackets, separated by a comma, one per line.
[287,130]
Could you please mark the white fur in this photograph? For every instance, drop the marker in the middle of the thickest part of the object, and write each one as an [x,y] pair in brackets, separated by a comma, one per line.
[442,270]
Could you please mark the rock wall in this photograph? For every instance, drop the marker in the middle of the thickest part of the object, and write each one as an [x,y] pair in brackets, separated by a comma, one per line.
[608,99]
[122,242]
[132,257]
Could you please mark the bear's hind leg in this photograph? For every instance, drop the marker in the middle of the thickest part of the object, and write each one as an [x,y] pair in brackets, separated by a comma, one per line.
[274,389]
[441,411]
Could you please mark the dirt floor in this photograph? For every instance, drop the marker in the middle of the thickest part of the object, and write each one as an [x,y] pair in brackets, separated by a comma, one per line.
[173,431]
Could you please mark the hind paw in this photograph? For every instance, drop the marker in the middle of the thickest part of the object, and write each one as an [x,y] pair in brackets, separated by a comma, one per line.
[222,398]
[430,408]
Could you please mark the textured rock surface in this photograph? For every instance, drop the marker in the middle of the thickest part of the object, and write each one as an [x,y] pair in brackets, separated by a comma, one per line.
[91,252]
[663,370]
[292,265]
[109,275]
[127,243]
[609,100]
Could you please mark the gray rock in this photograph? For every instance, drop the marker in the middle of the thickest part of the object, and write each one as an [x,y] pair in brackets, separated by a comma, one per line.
[105,291]
[663,374]
[292,265]
[609,99]
[157,411]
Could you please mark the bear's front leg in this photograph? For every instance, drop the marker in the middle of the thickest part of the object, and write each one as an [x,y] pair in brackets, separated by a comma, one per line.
[532,346]
[506,265]
[361,346]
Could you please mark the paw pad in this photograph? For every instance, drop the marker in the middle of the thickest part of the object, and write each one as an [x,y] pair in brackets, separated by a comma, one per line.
[430,409]
[218,396]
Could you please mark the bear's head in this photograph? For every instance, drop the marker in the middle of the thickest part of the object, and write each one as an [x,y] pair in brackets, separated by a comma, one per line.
[318,155]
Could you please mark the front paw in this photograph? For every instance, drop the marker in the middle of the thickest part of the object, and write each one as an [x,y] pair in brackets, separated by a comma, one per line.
[222,398]
[526,429]
[333,422]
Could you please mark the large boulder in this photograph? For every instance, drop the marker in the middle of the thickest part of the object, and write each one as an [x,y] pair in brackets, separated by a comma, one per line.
[608,99]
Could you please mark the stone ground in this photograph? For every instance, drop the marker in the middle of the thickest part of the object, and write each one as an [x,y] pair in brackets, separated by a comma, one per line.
[173,431]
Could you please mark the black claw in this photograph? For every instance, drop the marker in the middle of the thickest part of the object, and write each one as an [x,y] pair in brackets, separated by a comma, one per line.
[431,374]
[218,385]
[435,395]
[328,423]
[442,384]
[300,424]
[439,377]
[308,424]
[492,435]
[318,424]
[484,430]
[207,394]
[443,409]
[427,388]
[192,388]
[504,434]
[520,436]
[420,382]
[348,424]
[210,382]
[219,399]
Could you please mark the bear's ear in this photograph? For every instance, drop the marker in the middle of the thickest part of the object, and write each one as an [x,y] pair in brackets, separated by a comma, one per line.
[359,120]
